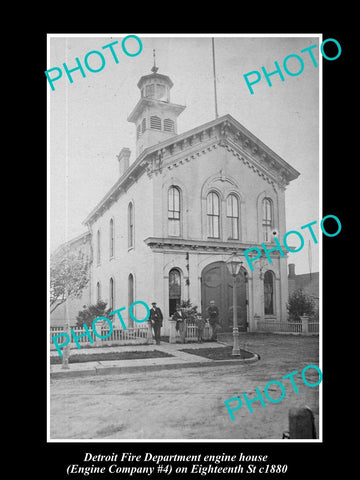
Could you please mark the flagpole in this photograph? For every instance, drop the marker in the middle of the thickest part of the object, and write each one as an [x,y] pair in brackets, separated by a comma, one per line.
[309,258]
[214,74]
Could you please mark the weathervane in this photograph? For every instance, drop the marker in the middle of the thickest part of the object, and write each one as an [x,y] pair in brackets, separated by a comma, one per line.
[154,68]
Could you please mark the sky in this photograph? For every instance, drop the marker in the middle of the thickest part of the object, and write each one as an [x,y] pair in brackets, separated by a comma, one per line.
[87,119]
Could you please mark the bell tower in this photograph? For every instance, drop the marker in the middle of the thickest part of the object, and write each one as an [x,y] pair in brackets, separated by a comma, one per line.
[155,117]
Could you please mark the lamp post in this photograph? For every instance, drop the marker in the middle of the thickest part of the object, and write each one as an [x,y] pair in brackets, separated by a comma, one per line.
[234,264]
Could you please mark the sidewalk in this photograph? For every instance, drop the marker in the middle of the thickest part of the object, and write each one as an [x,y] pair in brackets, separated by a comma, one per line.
[179,359]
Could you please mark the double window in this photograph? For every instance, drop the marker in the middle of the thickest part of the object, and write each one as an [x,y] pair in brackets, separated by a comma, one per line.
[213,214]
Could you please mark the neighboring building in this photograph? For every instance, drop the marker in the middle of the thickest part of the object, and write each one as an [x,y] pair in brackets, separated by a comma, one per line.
[58,316]
[186,202]
[307,282]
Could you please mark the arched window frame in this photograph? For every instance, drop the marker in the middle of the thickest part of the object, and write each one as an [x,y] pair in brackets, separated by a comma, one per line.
[213,210]
[174,211]
[267,220]
[269,293]
[172,305]
[98,291]
[233,217]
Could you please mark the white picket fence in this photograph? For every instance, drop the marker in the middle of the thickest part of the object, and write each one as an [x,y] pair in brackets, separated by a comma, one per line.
[275,326]
[192,332]
[119,336]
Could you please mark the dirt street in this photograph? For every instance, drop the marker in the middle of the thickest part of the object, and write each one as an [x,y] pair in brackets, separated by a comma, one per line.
[188,403]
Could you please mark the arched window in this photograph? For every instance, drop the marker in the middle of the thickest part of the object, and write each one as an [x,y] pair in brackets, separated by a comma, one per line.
[267,219]
[131,225]
[269,293]
[111,294]
[213,215]
[174,211]
[232,214]
[98,292]
[130,296]
[155,122]
[111,238]
[98,247]
[174,290]
[169,125]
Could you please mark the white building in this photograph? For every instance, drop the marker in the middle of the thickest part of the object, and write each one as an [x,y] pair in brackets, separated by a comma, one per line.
[184,204]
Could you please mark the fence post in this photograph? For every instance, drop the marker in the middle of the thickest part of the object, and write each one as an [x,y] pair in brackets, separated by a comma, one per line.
[301,423]
[256,321]
[305,324]
[172,335]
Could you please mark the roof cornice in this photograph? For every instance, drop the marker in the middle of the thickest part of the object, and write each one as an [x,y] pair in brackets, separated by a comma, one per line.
[223,132]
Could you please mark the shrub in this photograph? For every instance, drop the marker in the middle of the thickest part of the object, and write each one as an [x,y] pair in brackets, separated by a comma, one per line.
[300,304]
[88,314]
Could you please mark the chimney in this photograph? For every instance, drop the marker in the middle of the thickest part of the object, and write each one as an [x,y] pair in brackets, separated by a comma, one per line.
[123,158]
[292,270]
[291,279]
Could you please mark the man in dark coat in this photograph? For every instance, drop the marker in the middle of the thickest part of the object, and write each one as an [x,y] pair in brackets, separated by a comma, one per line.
[180,318]
[213,316]
[156,319]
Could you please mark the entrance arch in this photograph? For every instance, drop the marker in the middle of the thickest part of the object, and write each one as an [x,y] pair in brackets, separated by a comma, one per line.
[217,285]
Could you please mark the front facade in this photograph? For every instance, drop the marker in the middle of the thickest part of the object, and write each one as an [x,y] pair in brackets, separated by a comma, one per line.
[178,211]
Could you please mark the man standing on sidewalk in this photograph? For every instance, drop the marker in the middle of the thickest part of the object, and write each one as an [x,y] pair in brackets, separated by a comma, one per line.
[180,323]
[213,315]
[156,319]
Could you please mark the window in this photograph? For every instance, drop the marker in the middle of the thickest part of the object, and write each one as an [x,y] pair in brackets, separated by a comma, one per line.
[155,122]
[267,221]
[98,247]
[111,235]
[160,91]
[111,294]
[98,292]
[174,290]
[169,125]
[213,215]
[268,293]
[174,211]
[130,225]
[138,131]
[149,90]
[143,125]
[232,213]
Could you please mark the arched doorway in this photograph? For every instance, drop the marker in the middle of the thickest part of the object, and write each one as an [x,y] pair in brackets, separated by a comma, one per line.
[217,285]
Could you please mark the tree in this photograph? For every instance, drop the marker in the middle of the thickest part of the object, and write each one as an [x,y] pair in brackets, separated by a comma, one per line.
[190,310]
[88,314]
[300,304]
[69,274]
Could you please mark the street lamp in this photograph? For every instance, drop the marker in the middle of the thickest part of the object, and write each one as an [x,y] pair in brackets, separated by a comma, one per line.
[234,264]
